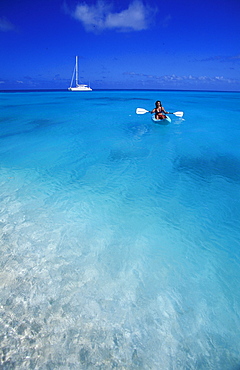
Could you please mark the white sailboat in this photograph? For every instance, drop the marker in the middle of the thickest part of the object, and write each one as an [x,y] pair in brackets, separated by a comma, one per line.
[79,87]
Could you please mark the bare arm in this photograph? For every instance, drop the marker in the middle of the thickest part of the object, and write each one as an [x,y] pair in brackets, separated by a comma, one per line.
[164,111]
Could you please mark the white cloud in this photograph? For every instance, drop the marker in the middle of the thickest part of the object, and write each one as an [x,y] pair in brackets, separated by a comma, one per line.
[236,57]
[186,79]
[5,25]
[222,58]
[99,17]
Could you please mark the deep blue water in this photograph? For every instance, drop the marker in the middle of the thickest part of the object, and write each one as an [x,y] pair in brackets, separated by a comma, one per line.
[119,237]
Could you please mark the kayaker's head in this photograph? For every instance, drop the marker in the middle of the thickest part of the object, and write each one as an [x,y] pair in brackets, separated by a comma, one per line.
[158,103]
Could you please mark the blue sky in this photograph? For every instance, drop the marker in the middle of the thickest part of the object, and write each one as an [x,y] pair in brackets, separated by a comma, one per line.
[151,44]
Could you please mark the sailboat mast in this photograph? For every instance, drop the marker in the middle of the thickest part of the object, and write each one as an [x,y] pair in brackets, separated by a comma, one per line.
[76,70]
[81,87]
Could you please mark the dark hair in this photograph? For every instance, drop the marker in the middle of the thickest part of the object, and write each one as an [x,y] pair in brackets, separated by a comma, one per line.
[158,101]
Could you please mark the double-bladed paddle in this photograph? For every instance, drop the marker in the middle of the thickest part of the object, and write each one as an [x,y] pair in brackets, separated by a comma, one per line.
[143,111]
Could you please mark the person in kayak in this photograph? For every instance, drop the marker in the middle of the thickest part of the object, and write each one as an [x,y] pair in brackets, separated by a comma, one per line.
[159,111]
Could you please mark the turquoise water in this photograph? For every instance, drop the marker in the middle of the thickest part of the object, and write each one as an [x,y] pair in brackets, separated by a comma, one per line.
[119,237]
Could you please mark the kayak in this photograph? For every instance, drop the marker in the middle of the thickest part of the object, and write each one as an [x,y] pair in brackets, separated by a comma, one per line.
[164,121]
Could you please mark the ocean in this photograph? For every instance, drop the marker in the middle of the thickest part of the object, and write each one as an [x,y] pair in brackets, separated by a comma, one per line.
[120,238]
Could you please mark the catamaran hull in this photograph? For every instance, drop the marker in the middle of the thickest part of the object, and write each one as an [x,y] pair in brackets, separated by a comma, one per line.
[79,89]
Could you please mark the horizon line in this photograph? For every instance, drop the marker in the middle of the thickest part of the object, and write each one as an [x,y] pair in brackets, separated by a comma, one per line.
[65,90]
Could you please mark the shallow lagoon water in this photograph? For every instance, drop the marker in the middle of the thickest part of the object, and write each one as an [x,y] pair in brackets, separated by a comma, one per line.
[119,237]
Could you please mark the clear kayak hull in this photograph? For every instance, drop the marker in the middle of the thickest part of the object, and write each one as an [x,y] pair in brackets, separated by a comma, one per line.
[164,121]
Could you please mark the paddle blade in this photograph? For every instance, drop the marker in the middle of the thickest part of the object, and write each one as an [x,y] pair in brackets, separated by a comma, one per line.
[141,111]
[178,114]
